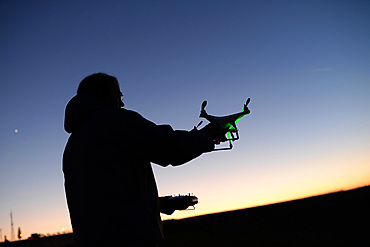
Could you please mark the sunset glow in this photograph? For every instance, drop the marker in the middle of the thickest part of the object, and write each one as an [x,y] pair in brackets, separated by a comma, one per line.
[304,64]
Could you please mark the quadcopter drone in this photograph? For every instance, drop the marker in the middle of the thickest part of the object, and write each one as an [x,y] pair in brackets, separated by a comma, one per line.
[228,126]
[227,123]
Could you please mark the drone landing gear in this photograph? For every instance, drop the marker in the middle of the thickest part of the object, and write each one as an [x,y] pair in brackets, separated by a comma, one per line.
[230,138]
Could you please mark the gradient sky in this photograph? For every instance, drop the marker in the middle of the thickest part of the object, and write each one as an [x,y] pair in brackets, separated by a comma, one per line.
[305,65]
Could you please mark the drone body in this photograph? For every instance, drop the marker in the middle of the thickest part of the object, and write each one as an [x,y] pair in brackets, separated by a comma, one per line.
[226,123]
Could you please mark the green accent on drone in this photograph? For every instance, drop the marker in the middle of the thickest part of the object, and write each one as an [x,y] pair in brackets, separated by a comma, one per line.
[232,127]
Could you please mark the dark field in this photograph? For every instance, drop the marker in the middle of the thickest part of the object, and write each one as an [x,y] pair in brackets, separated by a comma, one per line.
[336,219]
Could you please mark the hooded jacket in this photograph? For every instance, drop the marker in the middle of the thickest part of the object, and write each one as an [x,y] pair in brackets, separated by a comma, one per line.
[109,183]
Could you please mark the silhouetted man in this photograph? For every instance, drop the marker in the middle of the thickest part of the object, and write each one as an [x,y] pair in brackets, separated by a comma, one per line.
[110,187]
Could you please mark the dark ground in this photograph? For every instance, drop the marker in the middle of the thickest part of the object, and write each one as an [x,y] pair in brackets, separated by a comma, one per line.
[336,219]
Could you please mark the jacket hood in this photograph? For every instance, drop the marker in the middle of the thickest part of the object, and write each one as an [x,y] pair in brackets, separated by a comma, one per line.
[79,108]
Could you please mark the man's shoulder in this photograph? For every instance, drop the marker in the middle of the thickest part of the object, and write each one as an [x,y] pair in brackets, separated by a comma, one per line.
[129,114]
[121,114]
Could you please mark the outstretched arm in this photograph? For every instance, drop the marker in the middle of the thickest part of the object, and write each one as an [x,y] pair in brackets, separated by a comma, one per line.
[161,144]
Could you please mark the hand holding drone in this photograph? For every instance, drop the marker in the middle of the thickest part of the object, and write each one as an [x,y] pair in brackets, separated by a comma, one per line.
[227,124]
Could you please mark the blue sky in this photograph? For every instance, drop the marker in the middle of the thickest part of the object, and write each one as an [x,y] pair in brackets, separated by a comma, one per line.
[305,65]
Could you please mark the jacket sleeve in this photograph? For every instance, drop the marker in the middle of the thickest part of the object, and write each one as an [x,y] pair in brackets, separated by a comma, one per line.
[161,144]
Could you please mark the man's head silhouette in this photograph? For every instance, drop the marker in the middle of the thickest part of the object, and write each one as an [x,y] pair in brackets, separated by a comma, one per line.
[102,86]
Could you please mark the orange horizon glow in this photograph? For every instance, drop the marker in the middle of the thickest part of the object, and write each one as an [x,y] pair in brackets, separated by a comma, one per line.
[249,187]
[210,205]
[199,211]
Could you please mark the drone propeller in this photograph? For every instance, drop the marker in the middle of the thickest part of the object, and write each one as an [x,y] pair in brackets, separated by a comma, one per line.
[204,104]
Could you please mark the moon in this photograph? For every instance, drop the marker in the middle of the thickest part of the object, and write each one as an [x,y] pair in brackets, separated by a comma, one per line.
[16,131]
